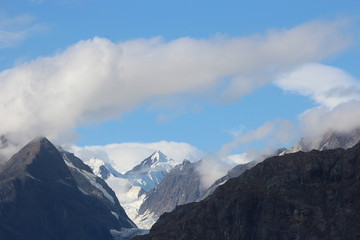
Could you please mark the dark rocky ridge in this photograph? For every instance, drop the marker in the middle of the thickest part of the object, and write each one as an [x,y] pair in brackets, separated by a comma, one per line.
[314,195]
[40,199]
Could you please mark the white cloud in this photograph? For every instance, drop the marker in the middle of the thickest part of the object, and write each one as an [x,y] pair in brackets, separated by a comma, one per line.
[343,118]
[124,156]
[337,94]
[275,134]
[210,170]
[96,80]
[236,159]
[328,86]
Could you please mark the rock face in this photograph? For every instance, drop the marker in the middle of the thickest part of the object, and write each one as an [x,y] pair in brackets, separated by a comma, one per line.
[41,198]
[181,185]
[314,195]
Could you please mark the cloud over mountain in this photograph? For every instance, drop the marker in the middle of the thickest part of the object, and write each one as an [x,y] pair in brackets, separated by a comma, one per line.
[124,156]
[336,93]
[95,80]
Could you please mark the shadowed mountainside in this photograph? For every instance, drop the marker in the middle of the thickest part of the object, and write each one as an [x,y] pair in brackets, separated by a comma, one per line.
[314,195]
[40,199]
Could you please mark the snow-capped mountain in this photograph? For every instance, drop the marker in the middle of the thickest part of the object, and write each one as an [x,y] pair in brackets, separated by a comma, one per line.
[146,175]
[103,169]
[151,171]
[130,188]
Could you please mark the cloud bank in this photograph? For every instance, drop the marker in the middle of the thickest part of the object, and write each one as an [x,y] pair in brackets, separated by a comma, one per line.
[95,80]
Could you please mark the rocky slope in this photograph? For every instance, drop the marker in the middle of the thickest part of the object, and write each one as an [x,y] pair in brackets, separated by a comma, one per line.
[90,184]
[181,185]
[314,195]
[41,198]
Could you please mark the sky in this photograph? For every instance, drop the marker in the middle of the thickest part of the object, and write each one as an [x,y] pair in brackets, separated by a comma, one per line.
[221,77]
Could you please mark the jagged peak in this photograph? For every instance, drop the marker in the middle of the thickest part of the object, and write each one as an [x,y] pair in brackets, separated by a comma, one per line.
[185,162]
[158,156]
[39,159]
[156,161]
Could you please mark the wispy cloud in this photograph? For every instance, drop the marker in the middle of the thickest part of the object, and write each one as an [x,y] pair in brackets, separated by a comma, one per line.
[14,30]
[96,79]
[275,134]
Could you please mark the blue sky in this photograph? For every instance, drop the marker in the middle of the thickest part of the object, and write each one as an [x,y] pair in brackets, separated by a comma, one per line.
[47,29]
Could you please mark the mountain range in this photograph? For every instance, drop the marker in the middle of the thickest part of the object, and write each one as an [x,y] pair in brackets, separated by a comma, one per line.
[47,192]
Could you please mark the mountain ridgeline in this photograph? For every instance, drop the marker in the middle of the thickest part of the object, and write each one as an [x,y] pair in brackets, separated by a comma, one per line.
[43,196]
[313,195]
[330,140]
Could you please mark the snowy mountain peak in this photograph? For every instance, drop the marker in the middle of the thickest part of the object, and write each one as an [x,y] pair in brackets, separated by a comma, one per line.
[102,169]
[158,156]
[150,171]
[155,162]
[95,162]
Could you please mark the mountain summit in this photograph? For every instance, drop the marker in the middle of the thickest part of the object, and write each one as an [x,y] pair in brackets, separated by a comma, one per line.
[40,160]
[151,171]
[156,161]
[42,197]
